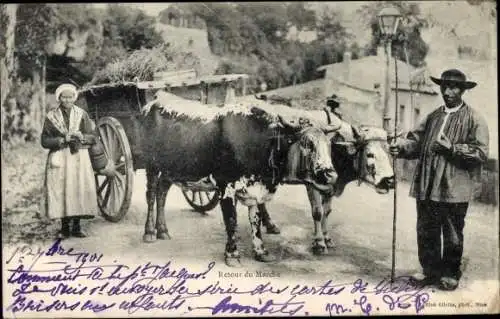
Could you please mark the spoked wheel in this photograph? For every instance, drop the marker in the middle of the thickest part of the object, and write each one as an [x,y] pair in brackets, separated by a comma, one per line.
[201,201]
[114,193]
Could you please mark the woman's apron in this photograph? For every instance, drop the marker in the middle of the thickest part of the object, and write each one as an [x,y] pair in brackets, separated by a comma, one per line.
[69,178]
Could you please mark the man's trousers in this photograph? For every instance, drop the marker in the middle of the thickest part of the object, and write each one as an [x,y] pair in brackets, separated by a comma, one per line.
[434,219]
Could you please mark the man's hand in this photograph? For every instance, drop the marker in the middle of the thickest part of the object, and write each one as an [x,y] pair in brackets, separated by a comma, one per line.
[394,149]
[442,144]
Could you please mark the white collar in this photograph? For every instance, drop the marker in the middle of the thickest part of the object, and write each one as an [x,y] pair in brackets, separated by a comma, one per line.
[452,109]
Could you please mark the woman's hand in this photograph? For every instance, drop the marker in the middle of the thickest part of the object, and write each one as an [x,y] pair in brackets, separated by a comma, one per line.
[78,135]
[68,137]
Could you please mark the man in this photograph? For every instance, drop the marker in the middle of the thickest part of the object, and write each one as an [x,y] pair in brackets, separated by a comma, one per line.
[333,103]
[450,144]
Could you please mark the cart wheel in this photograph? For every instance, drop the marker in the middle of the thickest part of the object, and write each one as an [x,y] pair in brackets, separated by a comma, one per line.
[201,201]
[115,192]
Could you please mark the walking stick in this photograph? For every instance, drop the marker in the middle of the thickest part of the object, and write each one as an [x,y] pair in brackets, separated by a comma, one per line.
[393,267]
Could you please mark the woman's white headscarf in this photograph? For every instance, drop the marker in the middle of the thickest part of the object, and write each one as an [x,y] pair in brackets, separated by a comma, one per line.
[67,87]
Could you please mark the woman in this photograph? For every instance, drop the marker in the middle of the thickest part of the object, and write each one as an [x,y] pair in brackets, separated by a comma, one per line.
[70,188]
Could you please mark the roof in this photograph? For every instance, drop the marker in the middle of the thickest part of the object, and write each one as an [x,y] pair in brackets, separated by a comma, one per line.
[369,70]
[175,82]
[351,93]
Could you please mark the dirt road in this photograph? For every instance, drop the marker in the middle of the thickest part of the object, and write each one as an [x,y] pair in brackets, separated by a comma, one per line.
[361,226]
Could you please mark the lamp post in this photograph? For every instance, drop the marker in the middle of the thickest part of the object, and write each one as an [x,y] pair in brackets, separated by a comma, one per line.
[388,20]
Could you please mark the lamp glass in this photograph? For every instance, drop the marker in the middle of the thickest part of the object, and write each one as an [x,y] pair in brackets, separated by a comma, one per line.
[387,24]
[388,20]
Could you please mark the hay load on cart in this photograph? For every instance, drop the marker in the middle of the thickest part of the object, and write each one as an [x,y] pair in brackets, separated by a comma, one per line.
[116,108]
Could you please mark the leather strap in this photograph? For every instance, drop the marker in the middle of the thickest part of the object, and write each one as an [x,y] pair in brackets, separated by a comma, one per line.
[328,118]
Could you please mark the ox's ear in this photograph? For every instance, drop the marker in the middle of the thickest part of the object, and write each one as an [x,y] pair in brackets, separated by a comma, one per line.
[358,134]
[349,147]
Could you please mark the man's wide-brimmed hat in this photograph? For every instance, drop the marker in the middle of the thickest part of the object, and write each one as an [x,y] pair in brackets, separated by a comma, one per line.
[456,77]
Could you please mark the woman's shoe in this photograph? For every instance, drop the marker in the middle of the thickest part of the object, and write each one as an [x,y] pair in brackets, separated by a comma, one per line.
[77,230]
[79,234]
[63,234]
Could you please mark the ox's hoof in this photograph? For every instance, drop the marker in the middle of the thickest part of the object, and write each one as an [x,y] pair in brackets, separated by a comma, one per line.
[319,247]
[149,238]
[329,243]
[163,235]
[265,257]
[273,229]
[232,259]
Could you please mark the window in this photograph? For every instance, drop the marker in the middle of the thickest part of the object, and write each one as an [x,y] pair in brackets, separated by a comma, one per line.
[401,116]
[416,116]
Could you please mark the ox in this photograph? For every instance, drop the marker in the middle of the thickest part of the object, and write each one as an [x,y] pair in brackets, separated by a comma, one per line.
[245,149]
[364,159]
[357,154]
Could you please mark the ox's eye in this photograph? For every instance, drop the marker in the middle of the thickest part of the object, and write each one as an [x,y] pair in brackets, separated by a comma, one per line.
[370,155]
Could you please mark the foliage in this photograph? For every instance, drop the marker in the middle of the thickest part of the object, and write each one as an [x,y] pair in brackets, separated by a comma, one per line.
[40,23]
[300,16]
[408,31]
[124,30]
[139,65]
[259,30]
[17,110]
[4,21]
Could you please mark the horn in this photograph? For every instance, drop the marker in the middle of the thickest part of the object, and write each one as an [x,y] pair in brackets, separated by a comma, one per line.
[258,111]
[331,128]
[262,97]
[287,123]
[276,125]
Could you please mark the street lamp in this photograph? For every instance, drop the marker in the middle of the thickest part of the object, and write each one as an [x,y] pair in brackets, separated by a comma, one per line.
[388,20]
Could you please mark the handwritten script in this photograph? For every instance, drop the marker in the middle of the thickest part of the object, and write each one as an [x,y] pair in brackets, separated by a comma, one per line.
[61,279]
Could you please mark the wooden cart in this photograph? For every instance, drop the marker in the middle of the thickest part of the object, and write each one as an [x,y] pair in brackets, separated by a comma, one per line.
[115,108]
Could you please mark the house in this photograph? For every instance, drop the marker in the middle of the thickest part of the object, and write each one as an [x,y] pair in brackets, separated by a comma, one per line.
[360,85]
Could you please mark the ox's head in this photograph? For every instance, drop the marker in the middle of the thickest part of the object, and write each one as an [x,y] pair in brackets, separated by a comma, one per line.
[371,161]
[307,154]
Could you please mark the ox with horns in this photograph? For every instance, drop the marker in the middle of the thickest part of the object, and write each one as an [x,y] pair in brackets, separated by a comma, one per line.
[244,148]
[358,153]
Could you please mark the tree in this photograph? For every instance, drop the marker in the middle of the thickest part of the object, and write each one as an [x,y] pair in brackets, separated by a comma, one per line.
[270,18]
[408,31]
[132,28]
[7,40]
[330,29]
[300,16]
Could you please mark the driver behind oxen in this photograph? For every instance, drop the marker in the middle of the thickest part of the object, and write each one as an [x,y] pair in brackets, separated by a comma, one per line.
[70,191]
[333,105]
